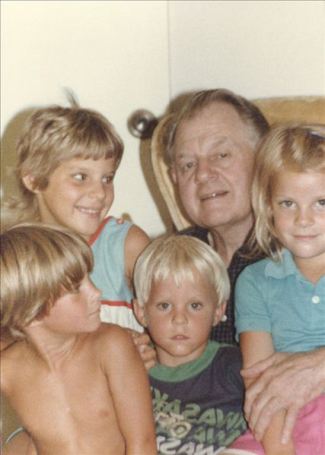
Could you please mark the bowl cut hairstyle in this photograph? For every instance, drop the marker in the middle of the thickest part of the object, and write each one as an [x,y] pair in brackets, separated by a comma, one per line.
[39,264]
[180,257]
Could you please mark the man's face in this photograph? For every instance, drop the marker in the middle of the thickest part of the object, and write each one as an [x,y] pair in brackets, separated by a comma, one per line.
[214,157]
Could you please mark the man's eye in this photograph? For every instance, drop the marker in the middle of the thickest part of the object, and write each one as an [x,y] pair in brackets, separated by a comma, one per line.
[187,166]
[220,158]
[222,155]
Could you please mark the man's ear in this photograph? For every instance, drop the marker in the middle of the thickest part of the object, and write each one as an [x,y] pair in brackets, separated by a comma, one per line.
[219,314]
[29,182]
[139,313]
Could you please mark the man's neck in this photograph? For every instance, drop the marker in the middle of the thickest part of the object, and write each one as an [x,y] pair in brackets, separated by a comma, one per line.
[228,239]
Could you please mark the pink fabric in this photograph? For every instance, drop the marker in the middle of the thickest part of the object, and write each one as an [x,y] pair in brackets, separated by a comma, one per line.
[308,435]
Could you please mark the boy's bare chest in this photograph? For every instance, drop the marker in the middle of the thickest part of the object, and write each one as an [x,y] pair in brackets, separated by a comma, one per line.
[68,401]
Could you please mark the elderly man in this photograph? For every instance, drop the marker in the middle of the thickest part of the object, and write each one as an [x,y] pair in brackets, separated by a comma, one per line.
[210,150]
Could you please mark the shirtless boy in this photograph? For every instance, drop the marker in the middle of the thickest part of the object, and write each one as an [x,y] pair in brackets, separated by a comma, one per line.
[84,389]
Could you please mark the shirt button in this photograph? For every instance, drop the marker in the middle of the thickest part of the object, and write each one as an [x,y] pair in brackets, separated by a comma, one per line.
[315,299]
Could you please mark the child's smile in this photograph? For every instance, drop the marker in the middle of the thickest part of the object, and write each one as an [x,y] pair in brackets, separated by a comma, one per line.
[298,205]
[79,194]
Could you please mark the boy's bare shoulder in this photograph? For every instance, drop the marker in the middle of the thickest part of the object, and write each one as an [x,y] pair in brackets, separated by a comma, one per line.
[12,358]
[112,340]
[111,333]
[11,350]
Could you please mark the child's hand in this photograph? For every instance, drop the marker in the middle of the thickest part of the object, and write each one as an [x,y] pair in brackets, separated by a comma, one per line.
[119,220]
[143,344]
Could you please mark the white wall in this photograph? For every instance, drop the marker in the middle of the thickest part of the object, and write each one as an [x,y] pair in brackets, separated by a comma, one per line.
[119,56]
[112,54]
[256,48]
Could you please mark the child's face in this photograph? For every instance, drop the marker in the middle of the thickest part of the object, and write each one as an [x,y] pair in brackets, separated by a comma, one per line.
[179,319]
[76,312]
[298,205]
[79,194]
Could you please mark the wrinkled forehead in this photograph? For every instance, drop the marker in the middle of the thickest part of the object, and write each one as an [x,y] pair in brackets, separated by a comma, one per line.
[217,123]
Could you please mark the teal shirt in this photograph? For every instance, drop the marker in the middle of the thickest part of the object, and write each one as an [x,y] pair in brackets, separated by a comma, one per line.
[275,297]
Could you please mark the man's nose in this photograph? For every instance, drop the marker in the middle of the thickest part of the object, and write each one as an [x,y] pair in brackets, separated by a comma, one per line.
[204,170]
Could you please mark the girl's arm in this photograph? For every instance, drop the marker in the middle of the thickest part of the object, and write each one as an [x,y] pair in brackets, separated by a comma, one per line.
[256,346]
[129,386]
[135,243]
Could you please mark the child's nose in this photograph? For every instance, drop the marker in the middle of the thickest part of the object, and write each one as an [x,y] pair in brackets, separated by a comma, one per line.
[179,316]
[97,190]
[304,217]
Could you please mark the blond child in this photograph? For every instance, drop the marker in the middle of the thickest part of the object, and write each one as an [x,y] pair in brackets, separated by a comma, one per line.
[67,160]
[280,300]
[77,385]
[181,287]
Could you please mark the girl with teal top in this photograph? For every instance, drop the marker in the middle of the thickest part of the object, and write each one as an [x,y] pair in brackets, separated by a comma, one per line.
[280,301]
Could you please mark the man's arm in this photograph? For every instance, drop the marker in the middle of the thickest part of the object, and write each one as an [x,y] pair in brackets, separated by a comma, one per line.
[283,381]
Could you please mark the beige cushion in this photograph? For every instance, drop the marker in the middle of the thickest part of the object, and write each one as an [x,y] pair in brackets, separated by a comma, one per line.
[301,109]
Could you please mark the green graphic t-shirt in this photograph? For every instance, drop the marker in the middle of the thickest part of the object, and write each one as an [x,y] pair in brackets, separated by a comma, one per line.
[198,405]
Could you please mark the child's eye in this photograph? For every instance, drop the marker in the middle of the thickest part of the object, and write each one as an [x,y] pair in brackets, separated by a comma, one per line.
[80,177]
[321,203]
[107,179]
[196,306]
[163,306]
[286,203]
[76,288]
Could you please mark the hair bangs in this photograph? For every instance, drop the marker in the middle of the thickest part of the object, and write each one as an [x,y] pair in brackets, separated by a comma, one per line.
[39,263]
[180,258]
[293,147]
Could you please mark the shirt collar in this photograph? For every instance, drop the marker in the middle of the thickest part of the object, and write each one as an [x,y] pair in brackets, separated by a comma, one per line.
[284,267]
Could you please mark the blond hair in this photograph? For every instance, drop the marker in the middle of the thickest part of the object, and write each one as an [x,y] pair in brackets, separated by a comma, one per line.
[50,136]
[38,264]
[247,111]
[180,257]
[295,147]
